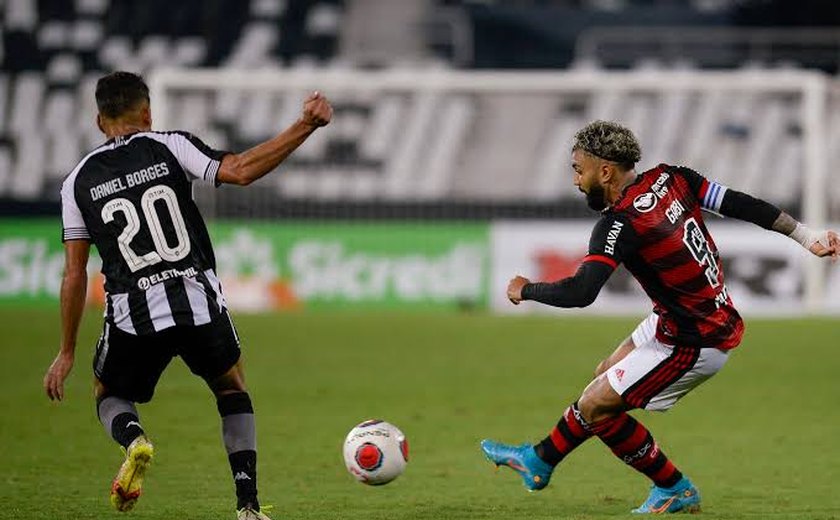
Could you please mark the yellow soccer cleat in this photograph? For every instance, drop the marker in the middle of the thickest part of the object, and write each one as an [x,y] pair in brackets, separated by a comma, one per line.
[248,513]
[126,487]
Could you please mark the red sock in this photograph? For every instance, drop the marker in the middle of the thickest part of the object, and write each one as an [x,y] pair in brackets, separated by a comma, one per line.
[569,433]
[632,443]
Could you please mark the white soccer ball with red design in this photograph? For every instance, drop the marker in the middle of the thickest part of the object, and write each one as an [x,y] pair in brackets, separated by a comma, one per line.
[375,452]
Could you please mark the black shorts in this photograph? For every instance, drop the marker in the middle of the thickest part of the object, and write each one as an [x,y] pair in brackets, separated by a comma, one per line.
[130,366]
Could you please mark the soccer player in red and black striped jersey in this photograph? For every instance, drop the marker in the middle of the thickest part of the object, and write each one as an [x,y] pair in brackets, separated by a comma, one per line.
[652,222]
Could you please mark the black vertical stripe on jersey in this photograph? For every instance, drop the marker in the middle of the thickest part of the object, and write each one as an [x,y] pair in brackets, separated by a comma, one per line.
[179,303]
[212,302]
[109,309]
[138,309]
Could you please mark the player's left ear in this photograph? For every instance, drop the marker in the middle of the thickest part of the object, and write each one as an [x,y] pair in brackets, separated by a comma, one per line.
[607,172]
[99,123]
[146,116]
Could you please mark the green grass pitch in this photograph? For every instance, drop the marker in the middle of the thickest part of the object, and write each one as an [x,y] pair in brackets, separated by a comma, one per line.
[760,439]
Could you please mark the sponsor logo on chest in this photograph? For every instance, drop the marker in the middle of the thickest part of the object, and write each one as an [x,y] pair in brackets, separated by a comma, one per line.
[645,202]
[674,211]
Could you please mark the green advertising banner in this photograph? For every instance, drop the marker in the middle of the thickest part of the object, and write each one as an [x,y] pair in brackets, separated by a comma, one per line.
[269,265]
[31,261]
[281,265]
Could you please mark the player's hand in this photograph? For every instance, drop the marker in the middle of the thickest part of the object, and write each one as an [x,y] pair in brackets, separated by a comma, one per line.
[56,374]
[827,245]
[514,289]
[316,110]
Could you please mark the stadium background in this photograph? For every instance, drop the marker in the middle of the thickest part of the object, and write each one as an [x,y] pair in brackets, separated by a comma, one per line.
[368,275]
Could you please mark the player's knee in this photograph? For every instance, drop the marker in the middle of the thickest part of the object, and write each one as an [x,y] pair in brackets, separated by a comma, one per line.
[599,401]
[588,407]
[234,403]
[230,382]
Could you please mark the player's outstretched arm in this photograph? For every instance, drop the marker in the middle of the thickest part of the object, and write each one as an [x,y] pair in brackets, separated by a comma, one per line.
[751,209]
[579,290]
[611,239]
[250,165]
[73,295]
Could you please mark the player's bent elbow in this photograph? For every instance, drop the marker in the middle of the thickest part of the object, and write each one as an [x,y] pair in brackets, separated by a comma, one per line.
[74,274]
[588,299]
[232,171]
[241,180]
[236,177]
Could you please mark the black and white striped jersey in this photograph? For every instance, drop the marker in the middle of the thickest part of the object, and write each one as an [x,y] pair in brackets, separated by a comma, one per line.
[132,197]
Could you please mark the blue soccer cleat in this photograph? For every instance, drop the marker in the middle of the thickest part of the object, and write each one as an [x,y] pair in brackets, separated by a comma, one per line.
[683,497]
[522,459]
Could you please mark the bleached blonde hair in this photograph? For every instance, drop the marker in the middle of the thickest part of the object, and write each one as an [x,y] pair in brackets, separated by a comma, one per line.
[610,141]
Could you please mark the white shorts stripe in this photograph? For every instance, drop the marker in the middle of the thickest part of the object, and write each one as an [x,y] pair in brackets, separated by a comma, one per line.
[648,354]
[159,309]
[216,284]
[198,301]
[122,315]
[103,353]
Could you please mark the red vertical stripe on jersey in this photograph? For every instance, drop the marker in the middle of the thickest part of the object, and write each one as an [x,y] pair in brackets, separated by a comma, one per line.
[703,189]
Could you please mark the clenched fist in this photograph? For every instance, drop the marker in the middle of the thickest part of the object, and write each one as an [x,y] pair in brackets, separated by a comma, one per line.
[514,290]
[316,110]
[828,244]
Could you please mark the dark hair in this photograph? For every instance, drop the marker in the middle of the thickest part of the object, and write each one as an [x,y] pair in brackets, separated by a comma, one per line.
[609,141]
[120,92]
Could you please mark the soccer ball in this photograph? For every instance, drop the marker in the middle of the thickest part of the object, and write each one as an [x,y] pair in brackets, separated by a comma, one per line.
[375,452]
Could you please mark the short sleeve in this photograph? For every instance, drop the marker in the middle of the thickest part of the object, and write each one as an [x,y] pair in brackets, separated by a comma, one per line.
[611,241]
[72,224]
[709,193]
[198,160]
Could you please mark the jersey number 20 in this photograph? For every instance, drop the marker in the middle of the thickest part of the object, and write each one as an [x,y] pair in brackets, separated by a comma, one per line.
[163,251]
[696,242]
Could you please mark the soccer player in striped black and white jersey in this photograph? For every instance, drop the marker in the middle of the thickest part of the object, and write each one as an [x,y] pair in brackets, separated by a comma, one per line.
[132,199]
[653,224]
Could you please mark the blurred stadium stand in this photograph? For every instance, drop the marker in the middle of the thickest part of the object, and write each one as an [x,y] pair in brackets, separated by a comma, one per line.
[54,50]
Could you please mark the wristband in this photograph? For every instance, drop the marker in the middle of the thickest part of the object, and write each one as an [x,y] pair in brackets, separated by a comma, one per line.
[805,235]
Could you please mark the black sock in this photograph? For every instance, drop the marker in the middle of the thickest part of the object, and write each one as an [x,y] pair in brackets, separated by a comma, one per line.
[243,465]
[125,428]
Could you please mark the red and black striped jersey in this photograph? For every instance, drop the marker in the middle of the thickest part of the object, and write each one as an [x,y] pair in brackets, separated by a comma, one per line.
[656,229]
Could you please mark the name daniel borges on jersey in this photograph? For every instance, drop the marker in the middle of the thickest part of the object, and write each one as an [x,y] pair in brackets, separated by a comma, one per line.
[117,185]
